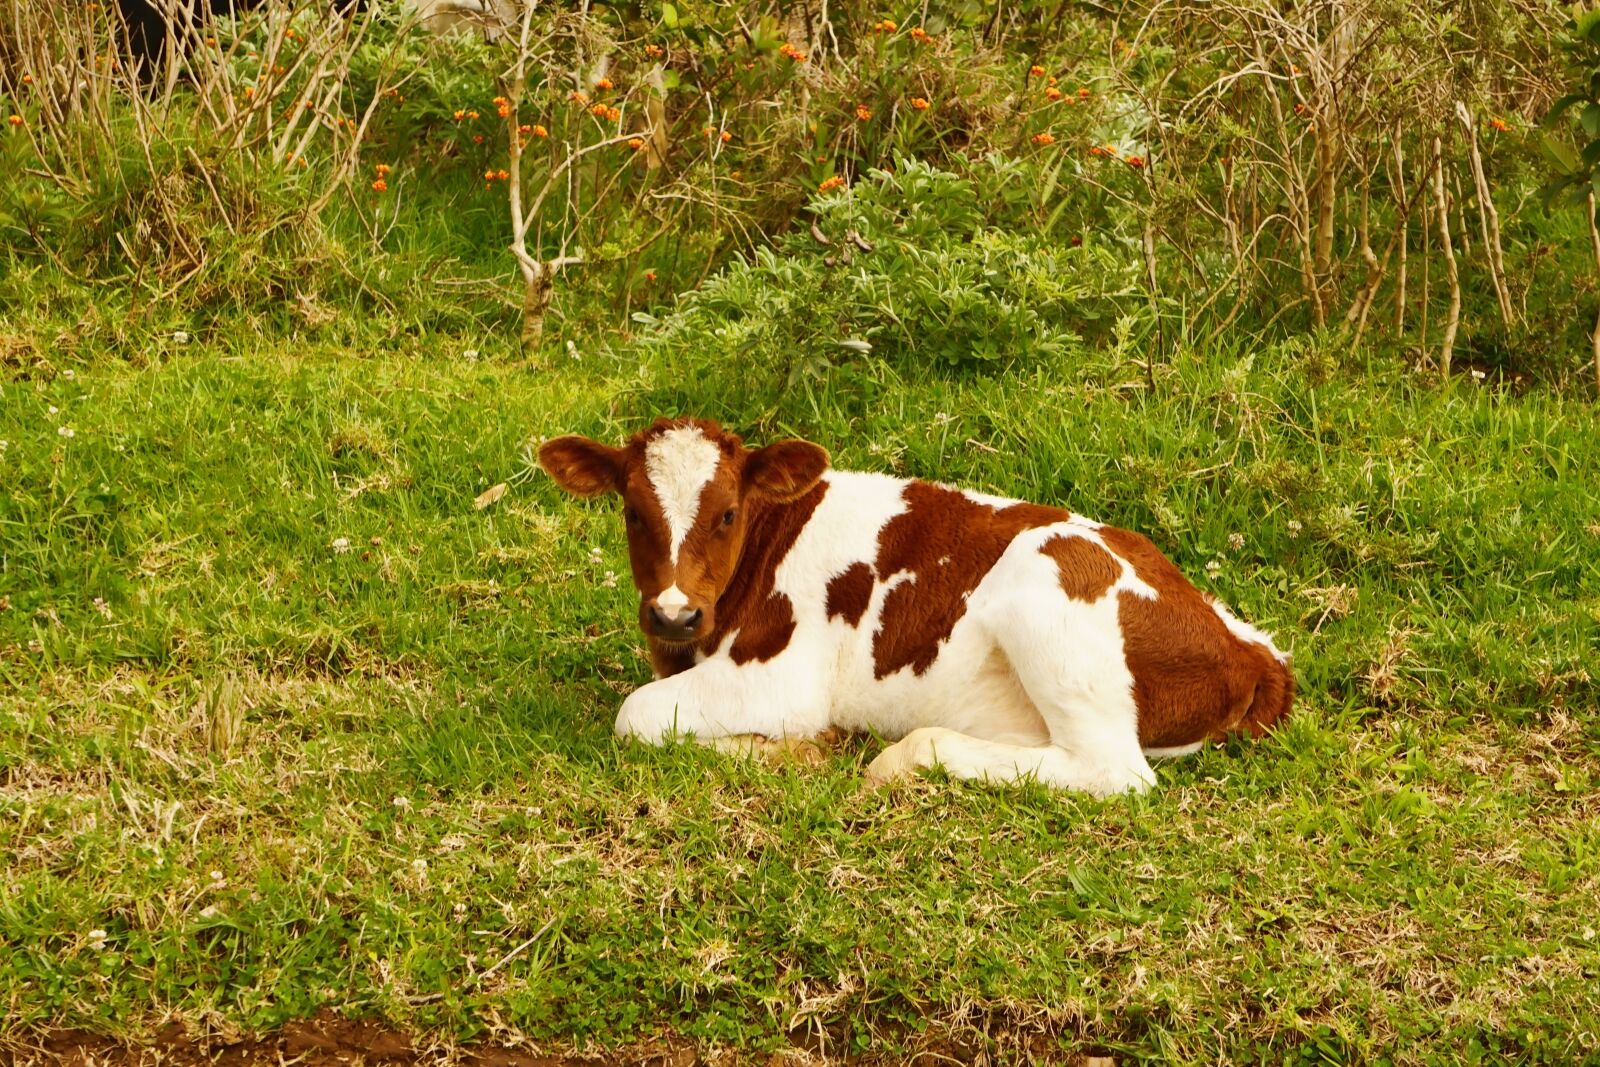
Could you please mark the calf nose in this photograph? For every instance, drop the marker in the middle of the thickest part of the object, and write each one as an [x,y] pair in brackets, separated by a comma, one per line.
[675,621]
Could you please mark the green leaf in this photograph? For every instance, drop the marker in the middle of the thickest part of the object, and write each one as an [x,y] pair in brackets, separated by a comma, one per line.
[1561,105]
[1590,120]
[669,16]
[1591,153]
[1561,155]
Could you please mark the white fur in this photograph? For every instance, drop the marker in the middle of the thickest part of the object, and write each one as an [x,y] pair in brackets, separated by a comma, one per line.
[679,463]
[672,599]
[1245,632]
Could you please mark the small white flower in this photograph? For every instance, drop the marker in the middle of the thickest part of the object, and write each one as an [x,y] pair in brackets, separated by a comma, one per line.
[53,409]
[941,418]
[69,374]
[216,876]
[102,607]
[98,937]
[208,912]
[181,336]
[460,910]
[1478,374]
[4,445]
[419,866]
[66,431]
[340,545]
[610,580]
[402,803]
[1213,568]
[1235,542]
[1294,528]
[471,353]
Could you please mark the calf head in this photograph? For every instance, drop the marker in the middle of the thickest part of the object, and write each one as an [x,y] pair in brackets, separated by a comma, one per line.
[690,492]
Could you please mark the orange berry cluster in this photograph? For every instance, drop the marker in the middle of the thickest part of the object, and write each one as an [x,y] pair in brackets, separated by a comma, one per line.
[789,51]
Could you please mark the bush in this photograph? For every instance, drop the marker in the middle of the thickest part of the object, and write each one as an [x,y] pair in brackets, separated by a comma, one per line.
[903,271]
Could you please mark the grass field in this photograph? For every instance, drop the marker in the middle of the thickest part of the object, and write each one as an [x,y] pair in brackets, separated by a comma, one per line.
[291,724]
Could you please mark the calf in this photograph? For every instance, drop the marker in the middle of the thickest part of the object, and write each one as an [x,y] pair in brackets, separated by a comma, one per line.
[997,638]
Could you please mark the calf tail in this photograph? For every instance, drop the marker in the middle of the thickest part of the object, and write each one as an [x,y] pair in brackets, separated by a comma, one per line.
[1273,696]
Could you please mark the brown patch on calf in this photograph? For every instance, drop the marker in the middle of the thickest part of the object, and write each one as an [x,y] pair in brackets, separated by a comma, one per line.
[763,617]
[1086,570]
[1192,678]
[849,593]
[947,541]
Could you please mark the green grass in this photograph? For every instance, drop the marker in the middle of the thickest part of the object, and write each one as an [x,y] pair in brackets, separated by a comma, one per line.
[411,772]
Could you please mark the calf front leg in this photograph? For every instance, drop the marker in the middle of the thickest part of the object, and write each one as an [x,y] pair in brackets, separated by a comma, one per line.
[718,699]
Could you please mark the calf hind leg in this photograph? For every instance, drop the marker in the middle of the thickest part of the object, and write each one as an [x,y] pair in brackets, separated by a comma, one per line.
[964,756]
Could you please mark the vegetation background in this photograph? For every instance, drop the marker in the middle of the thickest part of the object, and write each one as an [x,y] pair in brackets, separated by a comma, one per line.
[306,678]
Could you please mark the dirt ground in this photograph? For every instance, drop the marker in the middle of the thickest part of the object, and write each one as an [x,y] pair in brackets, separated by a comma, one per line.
[327,1040]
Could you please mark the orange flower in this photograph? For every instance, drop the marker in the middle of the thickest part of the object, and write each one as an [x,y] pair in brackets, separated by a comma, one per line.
[500,101]
[920,34]
[488,175]
[1083,94]
[577,97]
[1052,80]
[477,138]
[604,83]
[885,26]
[649,275]
[473,115]
[1044,139]
[211,42]
[919,103]
[524,130]
[1036,71]
[1135,162]
[504,111]
[831,184]
[15,120]
[1096,150]
[382,170]
[726,136]
[654,51]
[249,92]
[503,175]
[1499,124]
[709,131]
[539,131]
[459,115]
[791,52]
[380,186]
[636,143]
[1052,93]
[863,113]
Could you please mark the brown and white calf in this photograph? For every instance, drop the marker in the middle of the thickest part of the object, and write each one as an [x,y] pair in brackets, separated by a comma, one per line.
[997,638]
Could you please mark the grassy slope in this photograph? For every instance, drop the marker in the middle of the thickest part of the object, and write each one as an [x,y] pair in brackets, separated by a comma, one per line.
[424,777]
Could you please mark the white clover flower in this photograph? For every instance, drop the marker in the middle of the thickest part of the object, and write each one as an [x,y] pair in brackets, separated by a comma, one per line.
[69,374]
[52,409]
[340,545]
[1294,528]
[4,445]
[1213,568]
[1235,542]
[216,876]
[419,866]
[610,580]
[181,336]
[66,431]
[97,937]
[471,353]
[402,803]
[596,555]
[102,607]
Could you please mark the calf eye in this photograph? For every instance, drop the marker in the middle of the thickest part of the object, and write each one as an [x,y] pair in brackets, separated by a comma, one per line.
[727,517]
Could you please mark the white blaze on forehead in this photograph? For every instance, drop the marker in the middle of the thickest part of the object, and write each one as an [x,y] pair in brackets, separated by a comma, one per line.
[679,463]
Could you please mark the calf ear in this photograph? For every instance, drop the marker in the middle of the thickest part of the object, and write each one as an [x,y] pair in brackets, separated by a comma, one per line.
[582,466]
[785,470]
